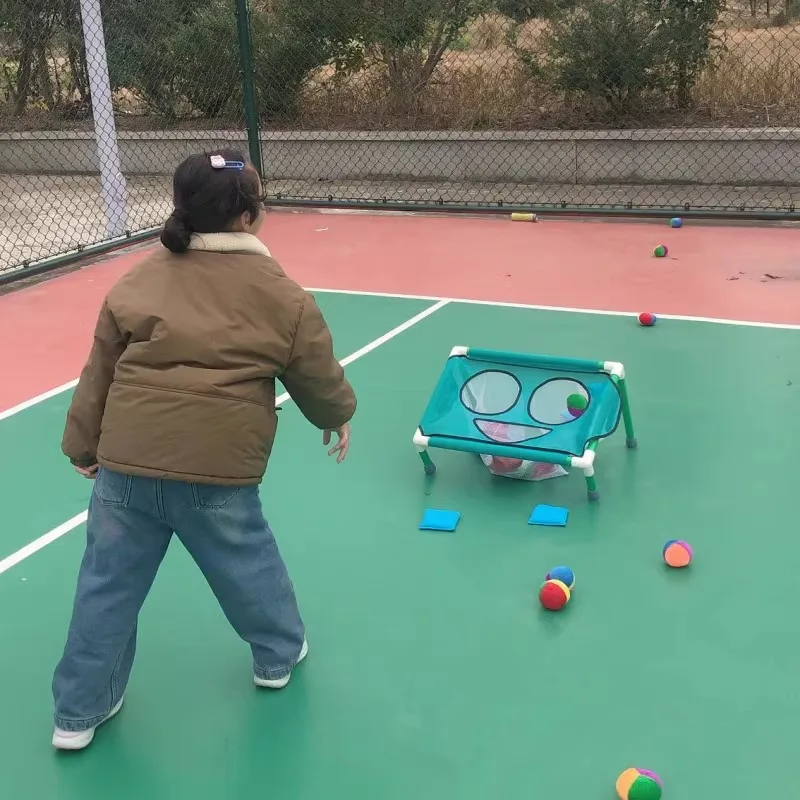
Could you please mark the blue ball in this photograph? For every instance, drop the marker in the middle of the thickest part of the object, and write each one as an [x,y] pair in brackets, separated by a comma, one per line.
[563,574]
[675,222]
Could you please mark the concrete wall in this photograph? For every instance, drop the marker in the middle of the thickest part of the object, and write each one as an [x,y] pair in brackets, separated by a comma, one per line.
[768,156]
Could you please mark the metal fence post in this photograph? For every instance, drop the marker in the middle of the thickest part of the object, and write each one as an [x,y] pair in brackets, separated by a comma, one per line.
[112,181]
[248,83]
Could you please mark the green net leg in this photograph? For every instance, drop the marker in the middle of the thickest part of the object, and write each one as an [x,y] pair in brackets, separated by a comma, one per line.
[627,419]
[427,462]
[591,484]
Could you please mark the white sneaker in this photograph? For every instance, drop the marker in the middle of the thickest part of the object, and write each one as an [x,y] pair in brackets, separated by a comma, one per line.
[279,683]
[77,740]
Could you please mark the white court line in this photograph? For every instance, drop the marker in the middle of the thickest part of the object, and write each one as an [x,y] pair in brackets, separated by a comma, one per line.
[564,309]
[42,541]
[71,524]
[40,398]
[10,412]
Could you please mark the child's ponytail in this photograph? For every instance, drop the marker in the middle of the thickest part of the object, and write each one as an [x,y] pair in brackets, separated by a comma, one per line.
[176,234]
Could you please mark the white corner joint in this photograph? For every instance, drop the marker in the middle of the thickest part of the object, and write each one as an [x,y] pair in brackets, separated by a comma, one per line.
[420,441]
[459,350]
[584,462]
[614,368]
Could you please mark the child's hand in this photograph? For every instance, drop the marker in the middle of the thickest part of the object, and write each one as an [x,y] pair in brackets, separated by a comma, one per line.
[88,472]
[342,446]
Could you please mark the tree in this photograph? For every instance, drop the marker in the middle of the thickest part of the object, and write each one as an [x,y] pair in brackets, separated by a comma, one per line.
[408,39]
[295,39]
[141,38]
[521,11]
[182,56]
[29,25]
[688,39]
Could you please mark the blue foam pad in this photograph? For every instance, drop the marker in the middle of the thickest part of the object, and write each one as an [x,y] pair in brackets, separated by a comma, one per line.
[435,520]
[549,515]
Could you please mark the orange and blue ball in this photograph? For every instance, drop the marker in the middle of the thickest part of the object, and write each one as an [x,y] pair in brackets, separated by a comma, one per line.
[554,595]
[639,784]
[677,553]
[563,574]
[646,319]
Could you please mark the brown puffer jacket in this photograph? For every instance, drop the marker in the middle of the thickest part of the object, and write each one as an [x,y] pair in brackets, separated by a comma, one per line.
[180,382]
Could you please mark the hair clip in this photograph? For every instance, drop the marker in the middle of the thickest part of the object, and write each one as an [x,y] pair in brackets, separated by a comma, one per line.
[218,162]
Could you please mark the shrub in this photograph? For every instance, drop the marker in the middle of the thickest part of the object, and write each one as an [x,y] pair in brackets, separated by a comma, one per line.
[607,50]
[628,53]
[522,11]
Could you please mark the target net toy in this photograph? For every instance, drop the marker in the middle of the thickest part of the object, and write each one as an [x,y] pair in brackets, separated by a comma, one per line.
[525,408]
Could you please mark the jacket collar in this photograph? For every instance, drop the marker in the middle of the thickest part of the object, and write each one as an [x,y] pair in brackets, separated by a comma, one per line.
[228,243]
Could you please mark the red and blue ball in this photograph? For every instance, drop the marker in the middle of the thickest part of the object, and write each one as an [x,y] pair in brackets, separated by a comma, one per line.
[646,319]
[554,595]
[677,553]
[563,574]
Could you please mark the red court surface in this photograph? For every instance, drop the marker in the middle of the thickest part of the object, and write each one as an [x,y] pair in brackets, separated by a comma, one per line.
[433,671]
[712,271]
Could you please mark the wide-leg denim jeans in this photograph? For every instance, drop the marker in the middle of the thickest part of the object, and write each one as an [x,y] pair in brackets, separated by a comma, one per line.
[130,525]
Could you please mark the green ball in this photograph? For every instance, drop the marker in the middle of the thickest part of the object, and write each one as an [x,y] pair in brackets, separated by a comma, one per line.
[644,788]
[660,251]
[577,401]
[576,405]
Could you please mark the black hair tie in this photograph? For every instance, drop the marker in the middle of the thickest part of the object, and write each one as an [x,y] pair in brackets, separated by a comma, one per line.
[182,218]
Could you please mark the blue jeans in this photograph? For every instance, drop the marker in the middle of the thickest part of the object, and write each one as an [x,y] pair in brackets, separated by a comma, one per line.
[130,525]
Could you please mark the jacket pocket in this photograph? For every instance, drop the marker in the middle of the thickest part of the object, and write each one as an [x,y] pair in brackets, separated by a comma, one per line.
[206,496]
[112,488]
[203,395]
[212,440]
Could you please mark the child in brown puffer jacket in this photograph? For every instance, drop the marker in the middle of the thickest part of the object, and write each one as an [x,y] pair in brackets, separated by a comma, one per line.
[174,418]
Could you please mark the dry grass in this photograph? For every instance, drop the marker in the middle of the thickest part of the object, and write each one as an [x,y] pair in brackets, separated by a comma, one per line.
[480,84]
[754,80]
[756,77]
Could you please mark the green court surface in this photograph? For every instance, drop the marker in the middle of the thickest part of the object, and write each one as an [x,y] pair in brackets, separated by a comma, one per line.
[432,671]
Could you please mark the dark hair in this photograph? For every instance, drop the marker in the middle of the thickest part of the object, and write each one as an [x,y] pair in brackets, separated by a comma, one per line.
[208,200]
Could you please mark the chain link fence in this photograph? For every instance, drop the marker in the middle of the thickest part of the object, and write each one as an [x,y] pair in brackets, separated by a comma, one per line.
[654,106]
[99,101]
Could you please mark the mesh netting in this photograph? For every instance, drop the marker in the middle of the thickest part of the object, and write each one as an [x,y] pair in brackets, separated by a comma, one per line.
[526,408]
